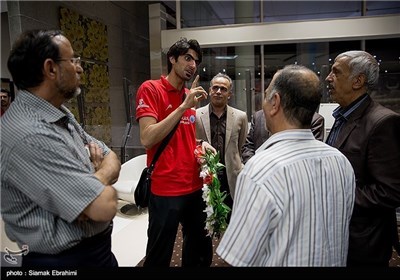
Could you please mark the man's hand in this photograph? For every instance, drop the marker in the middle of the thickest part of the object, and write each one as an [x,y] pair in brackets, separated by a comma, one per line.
[107,167]
[96,154]
[196,94]
[207,146]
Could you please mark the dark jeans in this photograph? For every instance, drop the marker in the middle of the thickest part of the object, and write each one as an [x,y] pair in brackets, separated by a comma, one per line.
[165,215]
[91,252]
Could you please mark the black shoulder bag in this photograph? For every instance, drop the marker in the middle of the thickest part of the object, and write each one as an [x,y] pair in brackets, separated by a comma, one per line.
[143,188]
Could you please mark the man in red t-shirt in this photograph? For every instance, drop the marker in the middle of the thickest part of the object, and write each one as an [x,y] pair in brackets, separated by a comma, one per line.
[175,182]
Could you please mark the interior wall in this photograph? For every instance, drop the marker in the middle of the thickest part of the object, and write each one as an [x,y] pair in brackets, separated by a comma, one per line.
[128,40]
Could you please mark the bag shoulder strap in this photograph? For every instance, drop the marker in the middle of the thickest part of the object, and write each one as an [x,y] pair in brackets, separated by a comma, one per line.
[164,143]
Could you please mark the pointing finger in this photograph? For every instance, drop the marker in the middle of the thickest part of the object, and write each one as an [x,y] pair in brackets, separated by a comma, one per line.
[196,80]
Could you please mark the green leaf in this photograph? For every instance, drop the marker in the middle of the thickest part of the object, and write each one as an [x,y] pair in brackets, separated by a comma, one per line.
[216,197]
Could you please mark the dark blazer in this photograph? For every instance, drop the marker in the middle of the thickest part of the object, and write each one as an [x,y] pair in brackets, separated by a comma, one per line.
[258,133]
[318,126]
[370,139]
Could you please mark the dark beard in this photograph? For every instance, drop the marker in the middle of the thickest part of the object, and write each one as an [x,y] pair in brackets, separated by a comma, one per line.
[71,93]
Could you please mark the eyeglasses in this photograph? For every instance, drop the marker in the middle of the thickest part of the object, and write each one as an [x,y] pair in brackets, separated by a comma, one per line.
[222,89]
[74,60]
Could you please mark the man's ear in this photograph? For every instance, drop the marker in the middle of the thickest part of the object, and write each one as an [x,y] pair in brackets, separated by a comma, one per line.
[49,68]
[275,103]
[359,81]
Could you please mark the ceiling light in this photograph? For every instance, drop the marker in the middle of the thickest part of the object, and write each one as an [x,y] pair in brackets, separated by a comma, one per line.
[226,56]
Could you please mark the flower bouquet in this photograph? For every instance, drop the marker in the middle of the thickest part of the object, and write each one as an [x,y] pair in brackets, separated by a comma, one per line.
[217,211]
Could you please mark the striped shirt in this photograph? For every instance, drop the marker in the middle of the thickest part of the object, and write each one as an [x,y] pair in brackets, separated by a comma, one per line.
[47,179]
[293,205]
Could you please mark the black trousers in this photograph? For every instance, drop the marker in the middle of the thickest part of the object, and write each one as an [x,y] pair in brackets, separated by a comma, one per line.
[91,252]
[165,215]
[223,179]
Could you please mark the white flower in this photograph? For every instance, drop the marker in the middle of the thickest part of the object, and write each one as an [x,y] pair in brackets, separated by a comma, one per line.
[204,172]
[209,210]
[206,194]
[210,228]
[216,215]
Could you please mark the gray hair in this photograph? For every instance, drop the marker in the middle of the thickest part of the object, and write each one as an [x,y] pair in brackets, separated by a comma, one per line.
[221,75]
[361,62]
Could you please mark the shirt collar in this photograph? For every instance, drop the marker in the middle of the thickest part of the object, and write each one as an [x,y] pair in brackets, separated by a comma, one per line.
[344,112]
[169,87]
[211,109]
[45,110]
[289,134]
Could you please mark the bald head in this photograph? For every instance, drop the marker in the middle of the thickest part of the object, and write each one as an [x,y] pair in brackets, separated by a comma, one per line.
[300,92]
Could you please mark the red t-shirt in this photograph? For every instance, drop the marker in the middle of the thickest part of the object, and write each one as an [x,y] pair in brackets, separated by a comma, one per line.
[176,171]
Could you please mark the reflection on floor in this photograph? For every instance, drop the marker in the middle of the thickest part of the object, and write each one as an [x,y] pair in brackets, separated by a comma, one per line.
[129,237]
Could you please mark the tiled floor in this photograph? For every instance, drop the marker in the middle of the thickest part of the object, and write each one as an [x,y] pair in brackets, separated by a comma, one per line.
[176,260]
[395,260]
[129,241]
[218,262]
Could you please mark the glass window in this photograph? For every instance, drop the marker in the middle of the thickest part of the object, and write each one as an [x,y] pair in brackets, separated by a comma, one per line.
[387,52]
[305,10]
[320,57]
[209,13]
[243,65]
[382,7]
[214,13]
[240,64]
